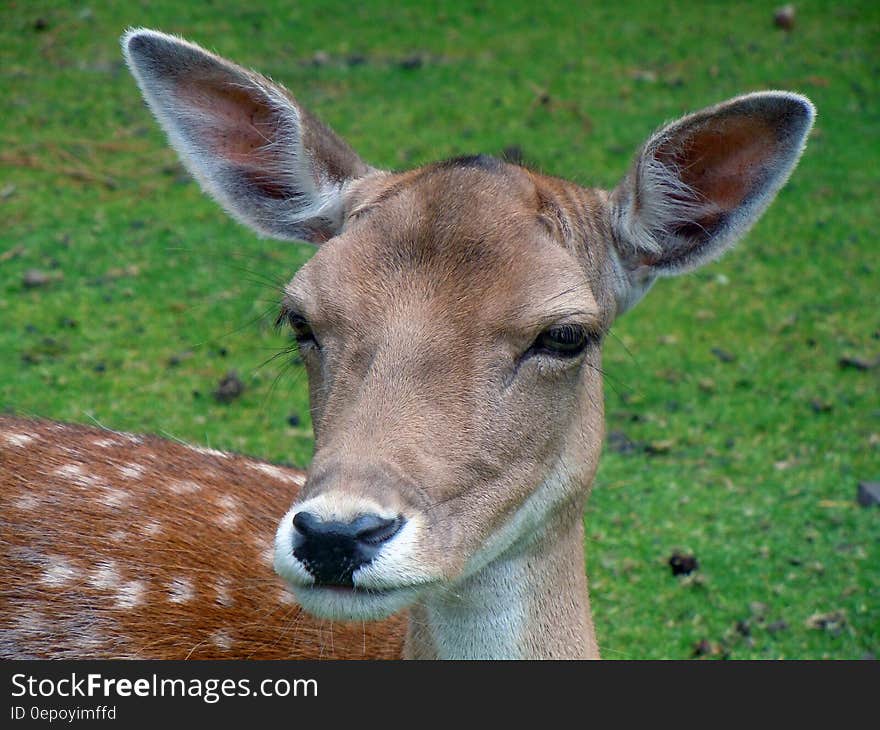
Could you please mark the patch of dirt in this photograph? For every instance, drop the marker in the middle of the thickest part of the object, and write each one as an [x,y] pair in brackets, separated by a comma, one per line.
[229,388]
[683,563]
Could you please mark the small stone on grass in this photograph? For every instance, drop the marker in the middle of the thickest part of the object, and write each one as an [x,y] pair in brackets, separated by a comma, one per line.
[868,494]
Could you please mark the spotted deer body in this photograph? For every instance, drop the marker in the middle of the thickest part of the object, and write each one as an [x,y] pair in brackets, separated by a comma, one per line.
[451,322]
[126,546]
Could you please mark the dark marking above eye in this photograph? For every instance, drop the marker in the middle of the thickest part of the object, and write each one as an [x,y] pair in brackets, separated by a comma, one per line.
[480,162]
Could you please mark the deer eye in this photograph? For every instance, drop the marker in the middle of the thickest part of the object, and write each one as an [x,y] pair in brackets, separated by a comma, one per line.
[302,332]
[564,340]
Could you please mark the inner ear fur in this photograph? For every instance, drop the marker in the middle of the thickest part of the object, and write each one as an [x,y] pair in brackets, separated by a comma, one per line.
[699,183]
[252,147]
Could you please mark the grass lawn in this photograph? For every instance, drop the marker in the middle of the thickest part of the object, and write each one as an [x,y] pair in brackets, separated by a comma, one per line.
[736,434]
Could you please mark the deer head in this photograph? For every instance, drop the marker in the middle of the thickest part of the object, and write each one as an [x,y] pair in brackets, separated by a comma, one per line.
[451,322]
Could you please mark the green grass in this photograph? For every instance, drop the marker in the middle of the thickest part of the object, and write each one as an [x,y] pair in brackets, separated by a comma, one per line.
[752,479]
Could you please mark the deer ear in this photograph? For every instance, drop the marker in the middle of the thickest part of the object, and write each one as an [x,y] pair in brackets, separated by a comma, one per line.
[699,183]
[252,147]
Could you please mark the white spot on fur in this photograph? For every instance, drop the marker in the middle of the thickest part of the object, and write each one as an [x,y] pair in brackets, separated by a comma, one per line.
[184,486]
[18,439]
[221,640]
[105,576]
[131,470]
[130,594]
[231,512]
[151,528]
[105,443]
[77,475]
[69,471]
[112,497]
[181,590]
[26,502]
[72,451]
[278,473]
[59,573]
[222,587]
[119,536]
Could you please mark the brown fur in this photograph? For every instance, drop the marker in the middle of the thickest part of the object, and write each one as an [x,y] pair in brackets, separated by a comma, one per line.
[63,496]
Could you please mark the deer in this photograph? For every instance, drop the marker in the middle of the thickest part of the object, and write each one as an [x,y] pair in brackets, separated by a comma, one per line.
[451,322]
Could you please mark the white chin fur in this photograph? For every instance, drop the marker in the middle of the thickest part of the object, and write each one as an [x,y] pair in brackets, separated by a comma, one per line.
[348,605]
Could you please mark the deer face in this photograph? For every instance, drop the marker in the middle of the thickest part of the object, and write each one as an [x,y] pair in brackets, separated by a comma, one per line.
[452,339]
[451,320]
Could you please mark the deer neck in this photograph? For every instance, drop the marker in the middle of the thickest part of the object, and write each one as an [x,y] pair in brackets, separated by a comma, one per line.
[529,603]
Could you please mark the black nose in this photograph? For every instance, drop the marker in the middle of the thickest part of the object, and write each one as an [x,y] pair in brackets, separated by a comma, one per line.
[331,551]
